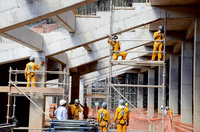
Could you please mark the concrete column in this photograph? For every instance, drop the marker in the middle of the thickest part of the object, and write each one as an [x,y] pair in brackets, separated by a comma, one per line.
[160,90]
[186,82]
[173,83]
[75,86]
[140,91]
[36,118]
[196,76]
[150,104]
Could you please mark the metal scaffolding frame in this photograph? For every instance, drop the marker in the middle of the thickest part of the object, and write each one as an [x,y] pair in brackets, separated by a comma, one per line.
[14,83]
[136,62]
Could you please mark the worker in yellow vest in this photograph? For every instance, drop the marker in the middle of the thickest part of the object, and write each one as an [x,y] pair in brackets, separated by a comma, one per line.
[116,49]
[103,118]
[159,35]
[75,109]
[122,117]
[30,71]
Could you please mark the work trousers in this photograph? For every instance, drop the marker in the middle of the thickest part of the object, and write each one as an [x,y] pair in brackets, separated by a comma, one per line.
[116,55]
[156,46]
[121,128]
[31,78]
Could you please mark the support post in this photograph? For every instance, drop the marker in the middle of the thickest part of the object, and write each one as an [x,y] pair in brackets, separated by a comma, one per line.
[196,76]
[173,83]
[150,105]
[75,86]
[160,90]
[140,91]
[36,118]
[186,82]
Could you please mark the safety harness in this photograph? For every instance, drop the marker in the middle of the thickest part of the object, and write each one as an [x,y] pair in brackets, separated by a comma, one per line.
[75,112]
[102,118]
[123,113]
[30,71]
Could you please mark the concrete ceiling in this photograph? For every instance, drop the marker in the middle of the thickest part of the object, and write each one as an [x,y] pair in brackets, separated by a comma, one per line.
[173,2]
[179,24]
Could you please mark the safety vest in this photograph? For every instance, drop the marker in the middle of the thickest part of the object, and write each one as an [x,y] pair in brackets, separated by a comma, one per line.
[122,116]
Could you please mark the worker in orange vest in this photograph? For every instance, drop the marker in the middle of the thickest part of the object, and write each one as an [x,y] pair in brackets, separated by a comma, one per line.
[103,118]
[122,117]
[159,35]
[30,71]
[116,48]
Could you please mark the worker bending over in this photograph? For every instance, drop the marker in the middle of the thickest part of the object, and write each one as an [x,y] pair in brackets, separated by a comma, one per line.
[103,118]
[122,117]
[75,109]
[30,71]
[159,35]
[85,110]
[61,111]
[116,49]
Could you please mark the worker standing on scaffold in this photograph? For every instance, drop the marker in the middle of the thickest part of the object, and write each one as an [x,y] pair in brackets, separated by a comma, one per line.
[159,35]
[30,71]
[116,48]
[103,118]
[122,117]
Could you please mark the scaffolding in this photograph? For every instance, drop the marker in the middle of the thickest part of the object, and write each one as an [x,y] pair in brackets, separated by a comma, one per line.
[14,90]
[116,88]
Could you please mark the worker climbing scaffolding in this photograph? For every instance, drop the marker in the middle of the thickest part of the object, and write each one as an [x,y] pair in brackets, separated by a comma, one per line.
[116,48]
[122,117]
[30,71]
[158,45]
[103,118]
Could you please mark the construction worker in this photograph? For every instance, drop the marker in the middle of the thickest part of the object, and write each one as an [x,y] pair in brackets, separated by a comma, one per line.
[103,118]
[122,117]
[169,112]
[75,109]
[126,104]
[85,110]
[159,35]
[61,111]
[116,48]
[30,71]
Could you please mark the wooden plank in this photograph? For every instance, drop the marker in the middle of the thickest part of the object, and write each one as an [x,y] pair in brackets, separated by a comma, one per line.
[28,90]
[95,95]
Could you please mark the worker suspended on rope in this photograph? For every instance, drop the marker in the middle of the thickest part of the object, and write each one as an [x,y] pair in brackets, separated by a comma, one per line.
[103,117]
[30,71]
[61,111]
[85,110]
[122,117]
[116,48]
[159,35]
[75,109]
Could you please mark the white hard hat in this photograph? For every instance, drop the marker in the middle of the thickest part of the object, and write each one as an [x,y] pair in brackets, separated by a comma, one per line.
[31,58]
[76,101]
[104,105]
[122,102]
[62,102]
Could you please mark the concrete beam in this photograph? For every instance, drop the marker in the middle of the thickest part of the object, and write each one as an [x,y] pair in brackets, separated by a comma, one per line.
[67,20]
[11,52]
[87,32]
[15,14]
[190,31]
[26,37]
[173,2]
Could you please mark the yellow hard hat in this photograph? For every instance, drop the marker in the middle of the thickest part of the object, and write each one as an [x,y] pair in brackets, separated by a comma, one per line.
[126,104]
